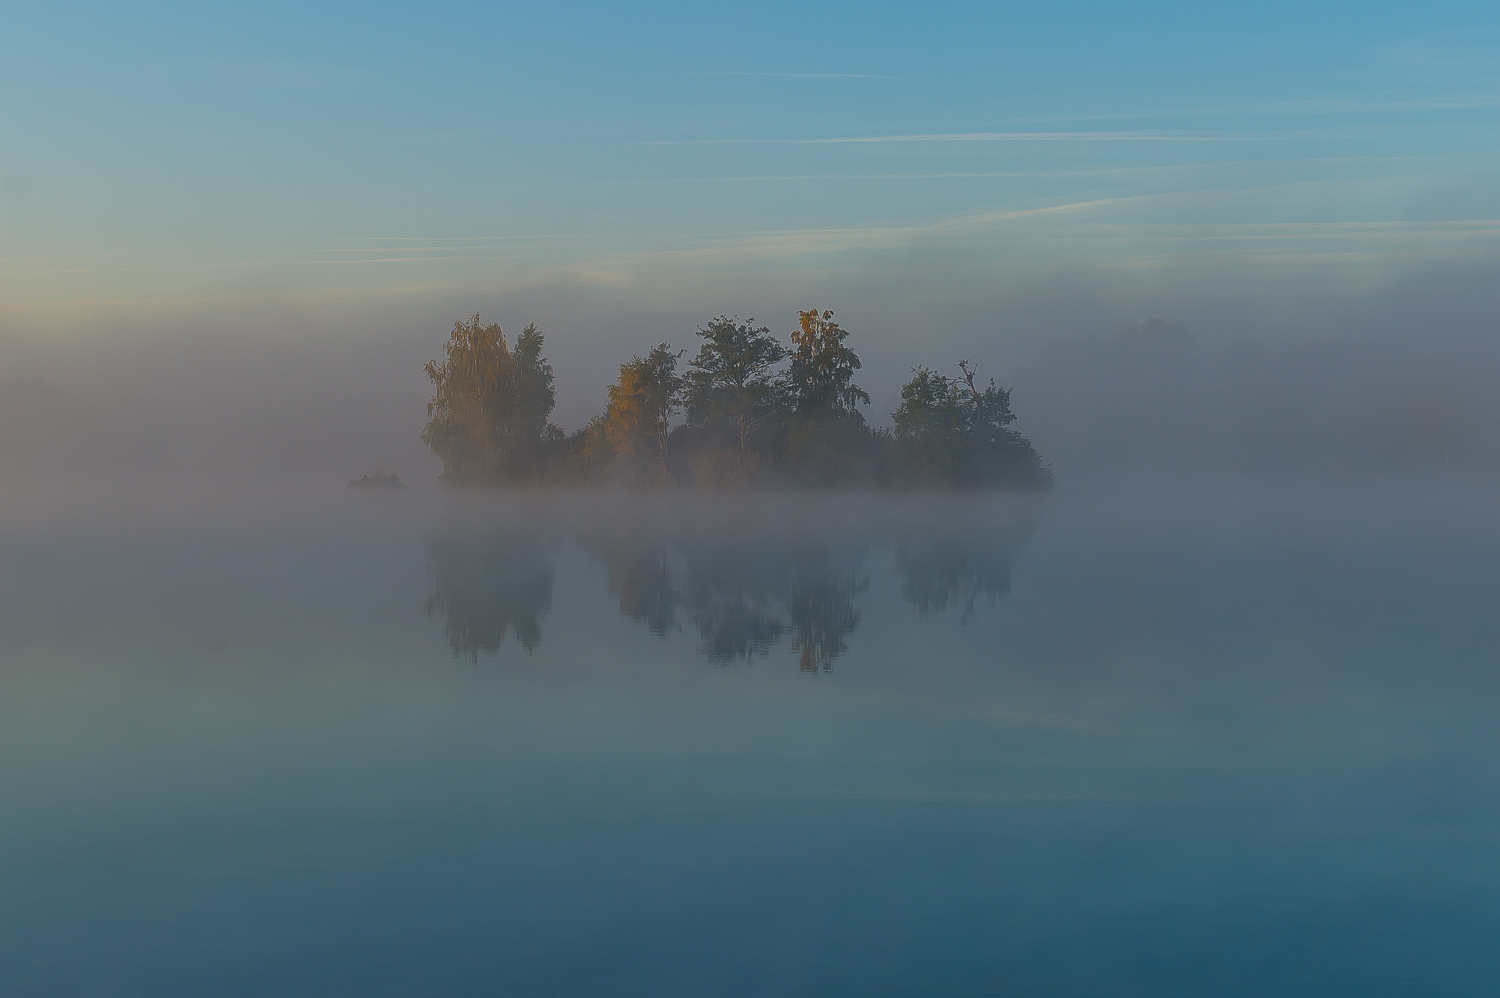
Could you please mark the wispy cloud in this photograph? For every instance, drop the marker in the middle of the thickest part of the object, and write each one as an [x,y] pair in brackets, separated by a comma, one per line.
[1123,231]
[1102,171]
[824,76]
[526,238]
[1330,104]
[1346,105]
[989,175]
[1113,136]
[1197,230]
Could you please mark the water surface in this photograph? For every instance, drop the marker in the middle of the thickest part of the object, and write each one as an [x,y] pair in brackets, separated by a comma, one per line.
[1130,741]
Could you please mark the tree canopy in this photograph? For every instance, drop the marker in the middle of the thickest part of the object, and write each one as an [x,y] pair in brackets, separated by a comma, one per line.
[490,404]
[642,402]
[821,378]
[949,431]
[732,387]
[736,418]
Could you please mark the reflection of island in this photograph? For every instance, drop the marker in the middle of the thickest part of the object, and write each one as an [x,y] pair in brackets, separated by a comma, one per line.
[735,592]
[821,605]
[487,583]
[938,571]
[639,574]
[745,592]
[743,597]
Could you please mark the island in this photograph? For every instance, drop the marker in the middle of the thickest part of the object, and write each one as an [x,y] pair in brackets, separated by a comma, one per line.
[748,411]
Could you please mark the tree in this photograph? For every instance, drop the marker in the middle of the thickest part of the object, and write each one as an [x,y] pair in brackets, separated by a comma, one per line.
[587,454]
[731,385]
[490,404]
[932,423]
[641,406]
[821,378]
[827,439]
[535,398]
[989,411]
[950,430]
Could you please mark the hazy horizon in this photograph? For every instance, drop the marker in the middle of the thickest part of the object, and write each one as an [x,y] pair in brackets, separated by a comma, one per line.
[1372,392]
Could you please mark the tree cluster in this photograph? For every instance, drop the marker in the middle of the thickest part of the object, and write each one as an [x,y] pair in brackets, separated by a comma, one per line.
[746,411]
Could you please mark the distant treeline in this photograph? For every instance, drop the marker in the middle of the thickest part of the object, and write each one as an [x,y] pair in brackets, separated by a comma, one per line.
[746,411]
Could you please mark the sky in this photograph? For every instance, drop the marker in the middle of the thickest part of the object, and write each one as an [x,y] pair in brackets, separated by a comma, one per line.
[311,180]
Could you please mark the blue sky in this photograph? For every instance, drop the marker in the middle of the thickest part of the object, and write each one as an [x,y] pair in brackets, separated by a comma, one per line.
[178,156]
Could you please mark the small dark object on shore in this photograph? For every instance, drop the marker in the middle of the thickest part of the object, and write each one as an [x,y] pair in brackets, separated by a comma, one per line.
[382,479]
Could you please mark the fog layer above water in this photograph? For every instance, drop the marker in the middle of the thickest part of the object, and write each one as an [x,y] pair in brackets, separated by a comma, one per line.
[1321,377]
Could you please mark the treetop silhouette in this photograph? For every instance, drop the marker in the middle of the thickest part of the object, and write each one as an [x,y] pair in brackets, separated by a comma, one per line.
[745,420]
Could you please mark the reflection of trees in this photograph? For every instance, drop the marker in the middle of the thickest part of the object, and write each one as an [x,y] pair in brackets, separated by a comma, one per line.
[488,583]
[743,593]
[732,591]
[821,604]
[640,575]
[936,572]
[742,596]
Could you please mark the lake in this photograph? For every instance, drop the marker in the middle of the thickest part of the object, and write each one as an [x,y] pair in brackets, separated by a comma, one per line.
[1233,738]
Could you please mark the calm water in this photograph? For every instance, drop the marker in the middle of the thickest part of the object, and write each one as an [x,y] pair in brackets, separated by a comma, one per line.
[1213,741]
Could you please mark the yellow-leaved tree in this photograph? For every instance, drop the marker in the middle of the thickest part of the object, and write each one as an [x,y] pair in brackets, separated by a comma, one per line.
[641,405]
[490,405]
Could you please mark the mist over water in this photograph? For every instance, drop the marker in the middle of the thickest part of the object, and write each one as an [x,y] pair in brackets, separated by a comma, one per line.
[1317,374]
[1236,737]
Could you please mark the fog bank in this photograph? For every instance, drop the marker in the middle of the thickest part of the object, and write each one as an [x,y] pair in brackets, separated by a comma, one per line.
[1396,380]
